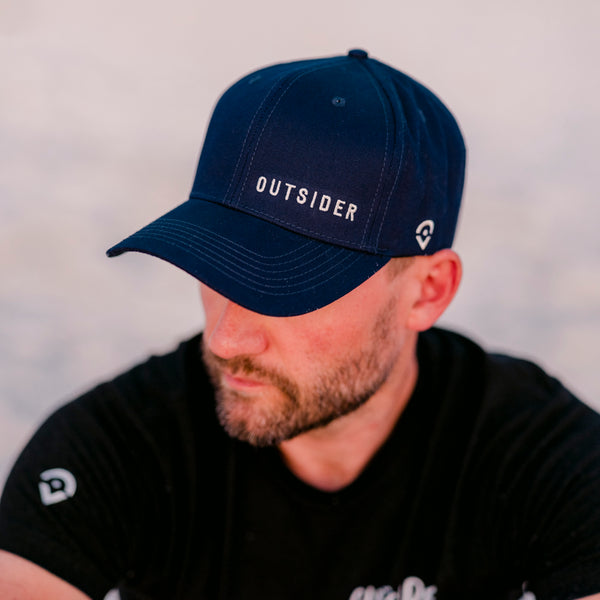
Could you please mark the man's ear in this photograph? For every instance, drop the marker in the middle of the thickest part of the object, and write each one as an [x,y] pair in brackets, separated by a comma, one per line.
[439,278]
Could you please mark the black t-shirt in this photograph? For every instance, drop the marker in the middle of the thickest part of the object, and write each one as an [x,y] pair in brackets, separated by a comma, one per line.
[488,485]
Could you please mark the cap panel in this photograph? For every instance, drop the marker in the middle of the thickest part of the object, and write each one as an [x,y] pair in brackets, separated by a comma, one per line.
[328,158]
[314,158]
[425,185]
[230,132]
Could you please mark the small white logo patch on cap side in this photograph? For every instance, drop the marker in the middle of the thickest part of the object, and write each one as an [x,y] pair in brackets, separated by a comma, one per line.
[56,485]
[424,232]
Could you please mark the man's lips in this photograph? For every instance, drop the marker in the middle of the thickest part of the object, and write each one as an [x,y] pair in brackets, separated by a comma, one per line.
[241,382]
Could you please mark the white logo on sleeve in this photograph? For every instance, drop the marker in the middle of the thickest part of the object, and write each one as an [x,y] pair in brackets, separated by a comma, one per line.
[56,485]
[424,232]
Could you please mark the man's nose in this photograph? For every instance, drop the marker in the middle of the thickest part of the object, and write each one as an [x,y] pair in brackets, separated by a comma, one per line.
[237,331]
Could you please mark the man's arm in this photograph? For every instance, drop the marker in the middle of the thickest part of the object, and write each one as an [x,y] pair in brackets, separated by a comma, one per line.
[24,580]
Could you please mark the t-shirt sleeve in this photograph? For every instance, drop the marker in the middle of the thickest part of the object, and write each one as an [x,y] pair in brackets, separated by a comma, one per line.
[548,484]
[564,540]
[107,490]
[83,500]
[56,508]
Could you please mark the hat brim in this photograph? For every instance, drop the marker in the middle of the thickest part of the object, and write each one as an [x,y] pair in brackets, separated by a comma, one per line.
[256,264]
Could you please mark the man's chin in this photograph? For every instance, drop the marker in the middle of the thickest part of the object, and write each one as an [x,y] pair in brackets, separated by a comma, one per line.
[245,432]
[243,420]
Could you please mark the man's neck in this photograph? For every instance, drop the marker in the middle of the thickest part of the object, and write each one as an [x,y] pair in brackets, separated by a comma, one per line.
[332,457]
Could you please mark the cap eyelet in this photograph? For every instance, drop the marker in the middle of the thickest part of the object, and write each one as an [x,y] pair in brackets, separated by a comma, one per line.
[338,101]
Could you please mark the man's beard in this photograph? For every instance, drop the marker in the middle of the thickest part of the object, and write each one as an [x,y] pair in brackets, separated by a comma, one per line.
[333,390]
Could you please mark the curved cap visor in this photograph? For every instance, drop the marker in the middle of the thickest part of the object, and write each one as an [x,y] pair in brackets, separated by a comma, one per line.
[258,265]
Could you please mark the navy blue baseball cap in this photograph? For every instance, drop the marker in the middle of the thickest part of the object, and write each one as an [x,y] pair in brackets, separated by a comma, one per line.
[313,175]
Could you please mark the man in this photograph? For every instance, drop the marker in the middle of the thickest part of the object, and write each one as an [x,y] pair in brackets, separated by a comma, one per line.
[334,444]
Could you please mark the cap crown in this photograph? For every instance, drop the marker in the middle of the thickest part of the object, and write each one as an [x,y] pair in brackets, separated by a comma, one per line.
[345,150]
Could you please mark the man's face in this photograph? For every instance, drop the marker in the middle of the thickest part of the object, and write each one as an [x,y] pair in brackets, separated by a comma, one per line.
[278,377]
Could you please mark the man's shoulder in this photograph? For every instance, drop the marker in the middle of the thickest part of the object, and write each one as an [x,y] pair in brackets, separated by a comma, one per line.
[170,373]
[171,386]
[166,367]
[503,391]
[501,373]
[515,402]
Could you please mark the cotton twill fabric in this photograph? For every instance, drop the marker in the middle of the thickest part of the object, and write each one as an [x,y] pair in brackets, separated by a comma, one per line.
[490,478]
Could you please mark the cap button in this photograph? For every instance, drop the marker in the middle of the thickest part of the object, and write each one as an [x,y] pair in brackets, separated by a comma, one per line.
[358,53]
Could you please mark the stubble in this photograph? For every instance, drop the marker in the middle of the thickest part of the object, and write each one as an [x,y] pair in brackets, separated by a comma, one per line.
[297,407]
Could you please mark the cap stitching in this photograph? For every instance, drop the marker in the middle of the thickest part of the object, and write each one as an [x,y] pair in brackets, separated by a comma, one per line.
[393,186]
[310,233]
[258,110]
[183,226]
[376,83]
[292,81]
[240,270]
[289,225]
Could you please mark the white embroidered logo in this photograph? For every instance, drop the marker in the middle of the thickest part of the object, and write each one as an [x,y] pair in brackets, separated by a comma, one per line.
[304,196]
[56,485]
[424,232]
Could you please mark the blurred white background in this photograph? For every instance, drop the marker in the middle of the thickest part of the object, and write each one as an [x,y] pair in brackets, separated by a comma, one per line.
[103,108]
